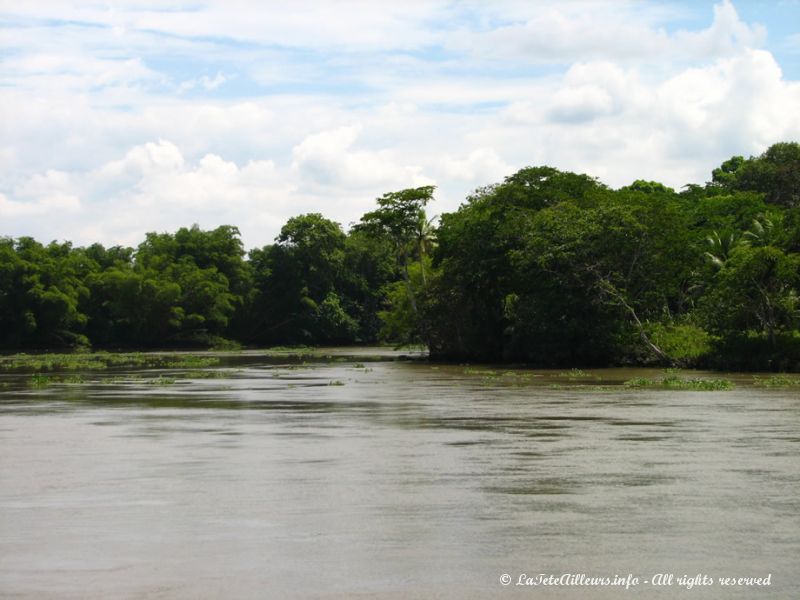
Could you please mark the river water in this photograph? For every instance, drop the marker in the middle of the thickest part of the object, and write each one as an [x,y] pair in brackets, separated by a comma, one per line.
[369,477]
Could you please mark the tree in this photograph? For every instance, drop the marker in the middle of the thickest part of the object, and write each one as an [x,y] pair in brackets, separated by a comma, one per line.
[725,174]
[401,218]
[757,290]
[647,187]
[211,276]
[775,173]
[134,307]
[298,283]
[43,288]
[220,249]
[471,306]
[590,279]
[370,266]
[721,246]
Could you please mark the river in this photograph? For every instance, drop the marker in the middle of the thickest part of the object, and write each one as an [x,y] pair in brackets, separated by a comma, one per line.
[362,476]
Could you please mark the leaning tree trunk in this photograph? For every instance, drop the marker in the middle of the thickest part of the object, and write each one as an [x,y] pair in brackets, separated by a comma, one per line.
[609,289]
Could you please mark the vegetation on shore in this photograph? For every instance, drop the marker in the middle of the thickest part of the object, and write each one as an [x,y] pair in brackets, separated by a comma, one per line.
[673,382]
[168,368]
[93,361]
[547,268]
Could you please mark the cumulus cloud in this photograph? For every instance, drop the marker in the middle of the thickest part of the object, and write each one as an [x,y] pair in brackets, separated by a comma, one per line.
[619,125]
[153,187]
[51,205]
[50,193]
[327,159]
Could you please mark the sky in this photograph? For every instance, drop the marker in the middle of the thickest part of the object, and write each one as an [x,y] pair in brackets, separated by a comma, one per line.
[123,117]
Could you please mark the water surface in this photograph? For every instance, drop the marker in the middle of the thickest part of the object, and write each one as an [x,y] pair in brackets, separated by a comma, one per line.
[358,478]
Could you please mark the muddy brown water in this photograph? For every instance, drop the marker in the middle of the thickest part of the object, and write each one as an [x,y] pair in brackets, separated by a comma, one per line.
[363,476]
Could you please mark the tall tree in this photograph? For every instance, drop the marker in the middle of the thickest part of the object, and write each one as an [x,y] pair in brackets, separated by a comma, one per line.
[299,279]
[400,218]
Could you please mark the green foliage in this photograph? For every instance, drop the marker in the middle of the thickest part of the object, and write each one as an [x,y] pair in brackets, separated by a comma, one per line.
[648,187]
[725,174]
[402,324]
[775,173]
[401,220]
[189,362]
[101,360]
[578,275]
[687,344]
[547,267]
[161,381]
[198,279]
[757,290]
[774,381]
[299,282]
[673,382]
[755,351]
[766,230]
[720,247]
[333,323]
[203,375]
[725,212]
[475,300]
[574,374]
[370,266]
[221,344]
[398,215]
[42,289]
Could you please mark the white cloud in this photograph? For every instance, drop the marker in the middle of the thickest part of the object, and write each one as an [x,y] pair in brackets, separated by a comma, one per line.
[247,115]
[153,187]
[148,159]
[573,31]
[313,23]
[50,206]
[205,82]
[736,102]
[328,159]
[480,166]
[49,194]
[593,90]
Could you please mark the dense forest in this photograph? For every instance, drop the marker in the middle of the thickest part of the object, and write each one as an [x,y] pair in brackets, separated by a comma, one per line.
[548,268]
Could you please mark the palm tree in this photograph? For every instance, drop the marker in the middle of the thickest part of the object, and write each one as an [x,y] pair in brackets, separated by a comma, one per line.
[424,239]
[763,230]
[721,247]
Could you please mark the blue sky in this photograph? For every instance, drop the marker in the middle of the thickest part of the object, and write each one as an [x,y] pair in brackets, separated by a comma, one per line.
[133,116]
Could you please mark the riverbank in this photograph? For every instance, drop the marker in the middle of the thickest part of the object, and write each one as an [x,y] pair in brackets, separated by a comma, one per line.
[77,368]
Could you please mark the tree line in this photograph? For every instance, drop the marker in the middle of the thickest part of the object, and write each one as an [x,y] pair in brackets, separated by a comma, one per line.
[547,267]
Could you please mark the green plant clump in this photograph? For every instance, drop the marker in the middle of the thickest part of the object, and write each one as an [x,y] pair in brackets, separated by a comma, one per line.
[673,382]
[51,362]
[574,374]
[777,381]
[162,381]
[39,381]
[102,360]
[202,375]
